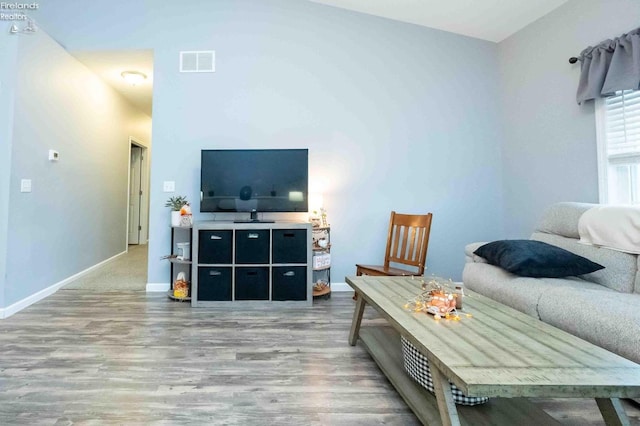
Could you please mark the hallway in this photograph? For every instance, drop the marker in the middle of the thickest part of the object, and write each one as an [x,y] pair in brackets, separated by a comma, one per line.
[125,273]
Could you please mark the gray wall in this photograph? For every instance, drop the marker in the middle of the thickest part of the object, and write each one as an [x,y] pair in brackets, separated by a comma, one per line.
[8,56]
[391,118]
[395,116]
[549,151]
[76,215]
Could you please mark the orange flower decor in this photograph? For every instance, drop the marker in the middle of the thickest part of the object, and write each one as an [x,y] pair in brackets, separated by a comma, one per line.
[436,301]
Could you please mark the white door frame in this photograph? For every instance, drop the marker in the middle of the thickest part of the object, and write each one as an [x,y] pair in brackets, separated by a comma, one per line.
[135,195]
[144,201]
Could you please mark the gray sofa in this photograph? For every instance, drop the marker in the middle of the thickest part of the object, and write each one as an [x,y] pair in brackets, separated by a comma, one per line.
[602,307]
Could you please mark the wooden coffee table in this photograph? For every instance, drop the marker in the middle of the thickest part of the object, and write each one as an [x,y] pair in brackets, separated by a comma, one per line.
[499,353]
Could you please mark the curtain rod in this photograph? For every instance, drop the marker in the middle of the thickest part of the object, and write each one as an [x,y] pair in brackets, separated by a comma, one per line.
[608,44]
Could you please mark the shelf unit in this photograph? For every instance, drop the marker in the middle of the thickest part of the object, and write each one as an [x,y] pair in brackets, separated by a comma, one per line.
[251,263]
[179,265]
[321,261]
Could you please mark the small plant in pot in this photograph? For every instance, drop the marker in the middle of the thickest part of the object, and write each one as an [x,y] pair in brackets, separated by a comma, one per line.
[176,204]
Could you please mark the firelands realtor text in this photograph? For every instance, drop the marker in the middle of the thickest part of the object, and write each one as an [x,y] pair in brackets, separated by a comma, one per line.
[15,10]
[19,6]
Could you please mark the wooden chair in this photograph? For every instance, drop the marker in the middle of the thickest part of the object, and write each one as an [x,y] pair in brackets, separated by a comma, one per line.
[407,243]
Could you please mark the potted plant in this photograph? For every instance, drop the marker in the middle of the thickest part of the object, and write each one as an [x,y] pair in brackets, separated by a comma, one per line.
[176,204]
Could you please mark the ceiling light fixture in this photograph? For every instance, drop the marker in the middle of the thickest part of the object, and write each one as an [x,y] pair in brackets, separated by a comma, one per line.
[133,77]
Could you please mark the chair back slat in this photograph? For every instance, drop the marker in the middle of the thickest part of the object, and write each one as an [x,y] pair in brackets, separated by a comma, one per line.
[408,240]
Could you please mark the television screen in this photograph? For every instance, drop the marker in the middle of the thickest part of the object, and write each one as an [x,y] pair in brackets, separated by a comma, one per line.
[254,180]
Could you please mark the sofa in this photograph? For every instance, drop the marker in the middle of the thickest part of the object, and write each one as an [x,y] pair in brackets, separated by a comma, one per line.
[602,307]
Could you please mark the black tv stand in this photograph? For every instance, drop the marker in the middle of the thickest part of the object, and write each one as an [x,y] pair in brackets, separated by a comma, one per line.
[251,264]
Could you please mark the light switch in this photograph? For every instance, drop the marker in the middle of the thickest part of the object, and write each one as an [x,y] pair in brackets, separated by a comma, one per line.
[169,186]
[25,185]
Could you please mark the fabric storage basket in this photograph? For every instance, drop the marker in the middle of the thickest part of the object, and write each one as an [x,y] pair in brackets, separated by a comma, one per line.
[417,367]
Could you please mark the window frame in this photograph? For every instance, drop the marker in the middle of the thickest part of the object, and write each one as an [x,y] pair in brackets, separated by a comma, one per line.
[601,144]
[602,155]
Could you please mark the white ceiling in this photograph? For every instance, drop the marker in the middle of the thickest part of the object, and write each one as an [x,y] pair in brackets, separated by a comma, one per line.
[109,65]
[492,20]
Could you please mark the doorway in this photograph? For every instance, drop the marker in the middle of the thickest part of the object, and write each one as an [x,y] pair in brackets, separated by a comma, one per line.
[138,214]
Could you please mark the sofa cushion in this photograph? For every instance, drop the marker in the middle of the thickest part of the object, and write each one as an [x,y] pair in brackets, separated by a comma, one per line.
[620,272]
[521,293]
[562,219]
[469,256]
[530,258]
[603,317]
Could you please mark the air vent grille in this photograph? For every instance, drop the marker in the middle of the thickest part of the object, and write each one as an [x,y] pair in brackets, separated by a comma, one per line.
[198,61]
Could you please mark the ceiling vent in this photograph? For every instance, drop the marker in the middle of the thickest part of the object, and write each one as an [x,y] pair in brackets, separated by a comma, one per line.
[198,61]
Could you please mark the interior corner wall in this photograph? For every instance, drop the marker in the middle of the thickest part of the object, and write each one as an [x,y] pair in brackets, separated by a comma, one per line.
[75,216]
[549,152]
[8,57]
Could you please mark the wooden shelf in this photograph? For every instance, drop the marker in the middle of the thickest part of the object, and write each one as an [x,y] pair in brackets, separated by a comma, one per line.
[173,260]
[321,273]
[179,261]
[180,299]
[383,344]
[319,293]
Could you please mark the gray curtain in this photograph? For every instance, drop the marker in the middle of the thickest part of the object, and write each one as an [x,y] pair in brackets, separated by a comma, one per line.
[610,66]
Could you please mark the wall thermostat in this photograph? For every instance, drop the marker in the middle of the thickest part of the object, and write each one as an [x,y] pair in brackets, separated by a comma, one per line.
[53,155]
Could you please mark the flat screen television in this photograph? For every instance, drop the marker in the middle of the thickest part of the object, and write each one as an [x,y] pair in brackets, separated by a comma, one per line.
[254,180]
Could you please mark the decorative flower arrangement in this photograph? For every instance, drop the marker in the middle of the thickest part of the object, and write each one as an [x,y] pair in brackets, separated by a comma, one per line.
[435,300]
[180,211]
[176,203]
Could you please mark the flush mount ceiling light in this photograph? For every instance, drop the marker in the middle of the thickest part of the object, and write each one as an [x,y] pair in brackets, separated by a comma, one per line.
[133,77]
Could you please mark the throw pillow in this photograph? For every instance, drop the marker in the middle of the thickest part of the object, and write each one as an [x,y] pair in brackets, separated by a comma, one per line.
[530,258]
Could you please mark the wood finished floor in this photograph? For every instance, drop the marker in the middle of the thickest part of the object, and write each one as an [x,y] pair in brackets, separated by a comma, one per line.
[80,357]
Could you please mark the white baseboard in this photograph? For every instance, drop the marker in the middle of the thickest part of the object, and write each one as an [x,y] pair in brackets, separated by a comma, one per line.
[340,287]
[164,287]
[30,300]
[158,287]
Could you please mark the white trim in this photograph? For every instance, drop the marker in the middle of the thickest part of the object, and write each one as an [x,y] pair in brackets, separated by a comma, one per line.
[337,287]
[30,300]
[144,186]
[164,287]
[601,143]
[158,287]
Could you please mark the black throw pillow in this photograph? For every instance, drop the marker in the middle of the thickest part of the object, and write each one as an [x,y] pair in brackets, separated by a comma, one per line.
[531,258]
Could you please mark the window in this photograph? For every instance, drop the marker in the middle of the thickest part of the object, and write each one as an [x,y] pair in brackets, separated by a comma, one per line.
[618,127]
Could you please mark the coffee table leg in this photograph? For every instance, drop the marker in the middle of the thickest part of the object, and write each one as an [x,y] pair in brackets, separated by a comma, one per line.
[612,411]
[444,397]
[357,319]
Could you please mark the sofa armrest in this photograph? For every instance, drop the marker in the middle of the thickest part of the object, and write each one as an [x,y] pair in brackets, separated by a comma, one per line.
[469,257]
